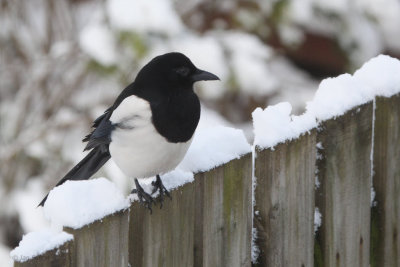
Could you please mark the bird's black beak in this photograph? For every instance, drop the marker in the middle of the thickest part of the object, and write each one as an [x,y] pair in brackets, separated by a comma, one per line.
[202,75]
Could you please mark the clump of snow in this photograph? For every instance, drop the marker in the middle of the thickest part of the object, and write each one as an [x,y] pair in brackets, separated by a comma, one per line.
[334,97]
[78,203]
[317,219]
[98,42]
[212,147]
[275,124]
[177,178]
[37,243]
[381,74]
[157,16]
[337,95]
[377,77]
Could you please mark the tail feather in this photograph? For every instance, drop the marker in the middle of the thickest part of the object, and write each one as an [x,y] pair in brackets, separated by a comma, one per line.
[85,168]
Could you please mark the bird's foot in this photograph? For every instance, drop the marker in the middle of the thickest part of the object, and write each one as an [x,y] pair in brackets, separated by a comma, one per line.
[158,186]
[144,198]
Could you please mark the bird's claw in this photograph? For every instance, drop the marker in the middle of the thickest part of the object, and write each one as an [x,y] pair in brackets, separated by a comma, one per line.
[159,186]
[144,198]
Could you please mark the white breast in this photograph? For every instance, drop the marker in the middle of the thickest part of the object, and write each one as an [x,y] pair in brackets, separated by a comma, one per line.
[136,146]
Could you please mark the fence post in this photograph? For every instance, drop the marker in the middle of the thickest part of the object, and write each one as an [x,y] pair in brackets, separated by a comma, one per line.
[345,192]
[207,223]
[284,209]
[165,237]
[102,243]
[225,225]
[385,222]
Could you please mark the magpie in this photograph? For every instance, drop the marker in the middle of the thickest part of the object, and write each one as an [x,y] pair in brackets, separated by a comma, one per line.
[150,126]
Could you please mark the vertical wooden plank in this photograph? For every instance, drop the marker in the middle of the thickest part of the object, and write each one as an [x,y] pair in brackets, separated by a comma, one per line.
[165,237]
[385,223]
[60,256]
[344,195]
[207,223]
[285,203]
[102,243]
[226,218]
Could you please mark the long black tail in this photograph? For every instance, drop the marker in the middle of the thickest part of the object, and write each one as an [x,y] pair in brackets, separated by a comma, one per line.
[86,167]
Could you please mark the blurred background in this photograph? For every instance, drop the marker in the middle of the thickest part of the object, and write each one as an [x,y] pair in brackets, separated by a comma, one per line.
[62,63]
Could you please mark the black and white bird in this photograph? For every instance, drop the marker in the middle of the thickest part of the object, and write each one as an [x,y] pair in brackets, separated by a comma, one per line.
[149,128]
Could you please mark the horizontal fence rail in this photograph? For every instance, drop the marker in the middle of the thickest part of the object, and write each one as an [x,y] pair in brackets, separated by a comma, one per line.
[336,168]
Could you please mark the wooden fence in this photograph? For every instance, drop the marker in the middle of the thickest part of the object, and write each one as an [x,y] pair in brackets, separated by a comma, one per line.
[209,221]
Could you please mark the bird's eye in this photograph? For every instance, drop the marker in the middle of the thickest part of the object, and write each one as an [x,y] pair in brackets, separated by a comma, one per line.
[182,71]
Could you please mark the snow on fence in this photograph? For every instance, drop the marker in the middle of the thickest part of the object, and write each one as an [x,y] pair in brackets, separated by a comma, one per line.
[324,191]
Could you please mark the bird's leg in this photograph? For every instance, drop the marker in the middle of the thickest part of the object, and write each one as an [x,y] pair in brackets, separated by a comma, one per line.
[158,185]
[144,198]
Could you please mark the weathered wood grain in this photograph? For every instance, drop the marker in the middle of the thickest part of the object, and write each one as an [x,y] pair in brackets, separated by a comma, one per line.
[102,243]
[344,195]
[284,195]
[165,237]
[60,256]
[385,244]
[207,223]
[226,204]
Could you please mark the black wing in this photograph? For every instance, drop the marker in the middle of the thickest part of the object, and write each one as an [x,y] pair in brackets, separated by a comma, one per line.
[98,141]
[101,135]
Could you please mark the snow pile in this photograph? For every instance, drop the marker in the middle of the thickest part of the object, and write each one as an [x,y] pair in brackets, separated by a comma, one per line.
[380,76]
[212,147]
[177,178]
[78,203]
[37,243]
[377,77]
[275,124]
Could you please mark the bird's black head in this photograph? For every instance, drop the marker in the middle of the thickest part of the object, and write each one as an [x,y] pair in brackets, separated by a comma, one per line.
[173,69]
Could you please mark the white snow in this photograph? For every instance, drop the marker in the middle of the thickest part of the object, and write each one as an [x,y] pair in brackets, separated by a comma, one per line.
[26,201]
[317,219]
[98,42]
[334,97]
[177,178]
[377,77]
[275,124]
[249,58]
[5,258]
[37,243]
[78,203]
[156,16]
[213,147]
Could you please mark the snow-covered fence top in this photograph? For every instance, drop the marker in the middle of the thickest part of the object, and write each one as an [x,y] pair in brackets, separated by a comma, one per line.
[324,190]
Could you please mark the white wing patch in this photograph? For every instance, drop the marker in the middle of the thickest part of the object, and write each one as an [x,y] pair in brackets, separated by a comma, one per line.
[136,146]
[131,108]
